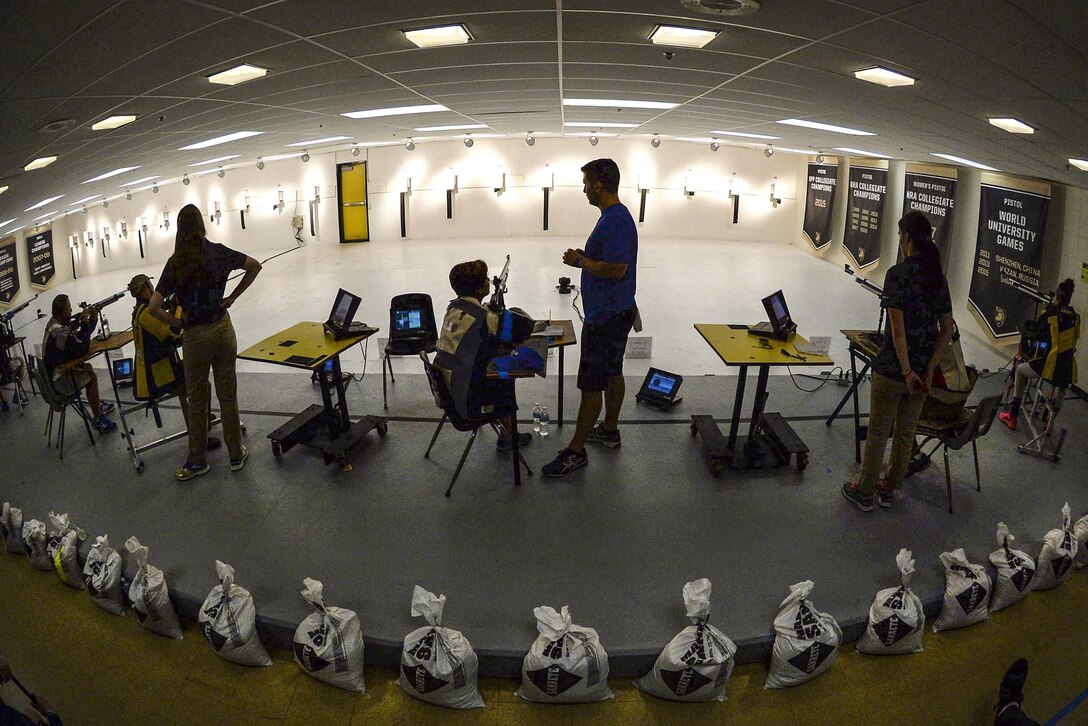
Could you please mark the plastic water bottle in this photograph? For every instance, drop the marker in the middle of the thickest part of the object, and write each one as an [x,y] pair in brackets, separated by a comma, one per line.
[544,419]
[536,418]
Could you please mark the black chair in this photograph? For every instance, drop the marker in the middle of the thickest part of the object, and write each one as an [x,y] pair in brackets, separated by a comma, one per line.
[412,330]
[58,403]
[8,379]
[955,435]
[444,400]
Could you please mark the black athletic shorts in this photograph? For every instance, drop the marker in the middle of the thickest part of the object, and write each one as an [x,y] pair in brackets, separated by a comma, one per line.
[603,345]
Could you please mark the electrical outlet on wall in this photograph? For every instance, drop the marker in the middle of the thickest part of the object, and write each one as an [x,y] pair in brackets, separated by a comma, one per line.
[297,221]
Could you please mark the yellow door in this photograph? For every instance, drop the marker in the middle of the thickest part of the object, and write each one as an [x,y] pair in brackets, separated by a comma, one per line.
[354,218]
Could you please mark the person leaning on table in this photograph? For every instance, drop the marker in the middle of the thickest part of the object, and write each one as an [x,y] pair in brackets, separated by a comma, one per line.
[197,273]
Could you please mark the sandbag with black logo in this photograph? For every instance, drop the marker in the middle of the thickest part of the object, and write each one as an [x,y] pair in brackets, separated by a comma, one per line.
[896,620]
[63,548]
[229,620]
[696,664]
[438,665]
[806,641]
[329,642]
[966,593]
[1080,533]
[36,544]
[150,596]
[11,529]
[1056,558]
[566,664]
[1015,571]
[102,575]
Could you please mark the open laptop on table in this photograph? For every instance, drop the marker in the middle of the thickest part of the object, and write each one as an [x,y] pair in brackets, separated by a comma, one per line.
[340,324]
[781,325]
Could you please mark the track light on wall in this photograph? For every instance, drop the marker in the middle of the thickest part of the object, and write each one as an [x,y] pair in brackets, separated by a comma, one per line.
[820,158]
[769,151]
[655,141]
[714,145]
[409,145]
[530,139]
[221,173]
[105,203]
[185,180]
[128,195]
[468,141]
[155,189]
[354,149]
[260,163]
[84,208]
[593,140]
[305,156]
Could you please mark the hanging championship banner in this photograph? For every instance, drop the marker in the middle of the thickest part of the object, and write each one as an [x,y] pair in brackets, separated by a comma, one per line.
[819,204]
[865,205]
[933,194]
[9,270]
[1009,249]
[39,250]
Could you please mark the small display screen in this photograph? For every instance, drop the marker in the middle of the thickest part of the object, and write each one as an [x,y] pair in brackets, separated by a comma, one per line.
[779,306]
[343,307]
[660,383]
[122,368]
[410,319]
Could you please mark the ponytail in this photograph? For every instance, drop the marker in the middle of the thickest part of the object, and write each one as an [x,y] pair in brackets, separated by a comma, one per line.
[1065,291]
[920,231]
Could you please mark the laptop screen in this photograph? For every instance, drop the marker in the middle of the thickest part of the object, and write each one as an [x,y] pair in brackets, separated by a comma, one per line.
[408,319]
[775,305]
[661,383]
[343,309]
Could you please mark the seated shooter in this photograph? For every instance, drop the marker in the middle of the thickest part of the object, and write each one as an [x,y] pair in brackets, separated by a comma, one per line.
[66,338]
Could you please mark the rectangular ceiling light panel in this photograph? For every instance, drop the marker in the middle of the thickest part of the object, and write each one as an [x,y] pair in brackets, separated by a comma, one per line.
[438,36]
[326,140]
[396,111]
[594,125]
[108,174]
[238,74]
[1012,125]
[237,135]
[113,122]
[681,37]
[618,103]
[42,203]
[965,162]
[139,181]
[859,152]
[85,199]
[746,135]
[40,163]
[824,127]
[883,77]
[1079,163]
[4,189]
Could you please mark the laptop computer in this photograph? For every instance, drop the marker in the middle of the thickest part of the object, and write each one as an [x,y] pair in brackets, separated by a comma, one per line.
[781,325]
[340,323]
[659,389]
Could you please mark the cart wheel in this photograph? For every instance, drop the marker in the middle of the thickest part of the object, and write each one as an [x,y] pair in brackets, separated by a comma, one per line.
[139,467]
[382,428]
[802,461]
[715,469]
[694,430]
[277,451]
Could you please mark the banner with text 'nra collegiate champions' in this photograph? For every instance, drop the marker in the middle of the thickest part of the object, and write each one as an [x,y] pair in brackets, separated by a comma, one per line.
[935,196]
[863,211]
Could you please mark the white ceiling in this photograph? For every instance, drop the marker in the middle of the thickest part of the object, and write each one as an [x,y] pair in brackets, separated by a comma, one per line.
[793,58]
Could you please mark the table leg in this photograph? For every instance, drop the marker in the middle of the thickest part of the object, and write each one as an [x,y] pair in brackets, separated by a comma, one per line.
[126,432]
[738,403]
[341,395]
[22,346]
[326,400]
[559,408]
[515,448]
[753,447]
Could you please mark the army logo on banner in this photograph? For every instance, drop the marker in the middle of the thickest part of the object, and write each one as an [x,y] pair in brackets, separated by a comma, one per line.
[819,204]
[39,249]
[9,270]
[935,197]
[863,212]
[1009,248]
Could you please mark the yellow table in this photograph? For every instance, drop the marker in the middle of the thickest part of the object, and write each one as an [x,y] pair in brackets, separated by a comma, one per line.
[770,440]
[326,427]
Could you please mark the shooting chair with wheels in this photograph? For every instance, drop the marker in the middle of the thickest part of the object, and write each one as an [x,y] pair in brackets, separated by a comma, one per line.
[412,330]
[1040,409]
[58,403]
[444,400]
[955,434]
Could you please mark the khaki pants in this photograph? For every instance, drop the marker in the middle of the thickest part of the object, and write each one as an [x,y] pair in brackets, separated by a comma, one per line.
[211,346]
[889,405]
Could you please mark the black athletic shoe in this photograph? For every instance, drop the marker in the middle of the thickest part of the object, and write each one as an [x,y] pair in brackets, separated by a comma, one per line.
[565,463]
[1012,685]
[106,407]
[851,492]
[598,435]
[502,444]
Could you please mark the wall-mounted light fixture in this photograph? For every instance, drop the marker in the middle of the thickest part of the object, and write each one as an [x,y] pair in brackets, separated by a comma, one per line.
[165,219]
[185,180]
[124,229]
[221,173]
[468,141]
[410,144]
[714,145]
[305,156]
[106,234]
[260,163]
[775,201]
[593,139]
[354,149]
[88,239]
[128,195]
[655,141]
[530,139]
[769,151]
[688,193]
[279,205]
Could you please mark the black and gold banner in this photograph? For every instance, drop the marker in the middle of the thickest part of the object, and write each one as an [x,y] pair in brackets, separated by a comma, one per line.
[863,214]
[39,250]
[9,270]
[934,196]
[819,204]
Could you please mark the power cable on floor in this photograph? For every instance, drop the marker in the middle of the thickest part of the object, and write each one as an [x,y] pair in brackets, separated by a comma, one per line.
[805,375]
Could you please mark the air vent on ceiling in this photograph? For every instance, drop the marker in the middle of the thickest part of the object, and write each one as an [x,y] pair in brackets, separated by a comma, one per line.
[722,7]
[59,125]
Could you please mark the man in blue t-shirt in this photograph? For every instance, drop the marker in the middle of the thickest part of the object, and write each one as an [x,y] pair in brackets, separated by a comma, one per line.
[608,296]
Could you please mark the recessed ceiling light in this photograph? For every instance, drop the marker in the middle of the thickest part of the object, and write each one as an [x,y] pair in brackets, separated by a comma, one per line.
[617,103]
[47,214]
[1079,163]
[5,224]
[396,111]
[860,152]
[42,203]
[824,127]
[113,122]
[238,74]
[1013,126]
[221,140]
[965,162]
[139,181]
[326,140]
[108,174]
[682,37]
[4,189]
[746,135]
[883,77]
[216,160]
[438,36]
[454,127]
[85,199]
[594,125]
[40,163]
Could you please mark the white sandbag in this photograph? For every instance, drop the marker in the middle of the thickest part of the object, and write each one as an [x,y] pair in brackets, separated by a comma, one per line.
[229,620]
[966,593]
[1080,533]
[329,642]
[63,548]
[1015,571]
[37,545]
[438,665]
[566,663]
[806,641]
[1056,558]
[896,620]
[102,575]
[696,664]
[150,596]
[11,529]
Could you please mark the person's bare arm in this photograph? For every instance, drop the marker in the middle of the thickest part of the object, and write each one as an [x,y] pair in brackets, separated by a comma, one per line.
[597,268]
[155,308]
[252,267]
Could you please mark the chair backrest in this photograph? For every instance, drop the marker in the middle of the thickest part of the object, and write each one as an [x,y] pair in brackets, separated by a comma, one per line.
[979,424]
[45,384]
[426,335]
[444,399]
